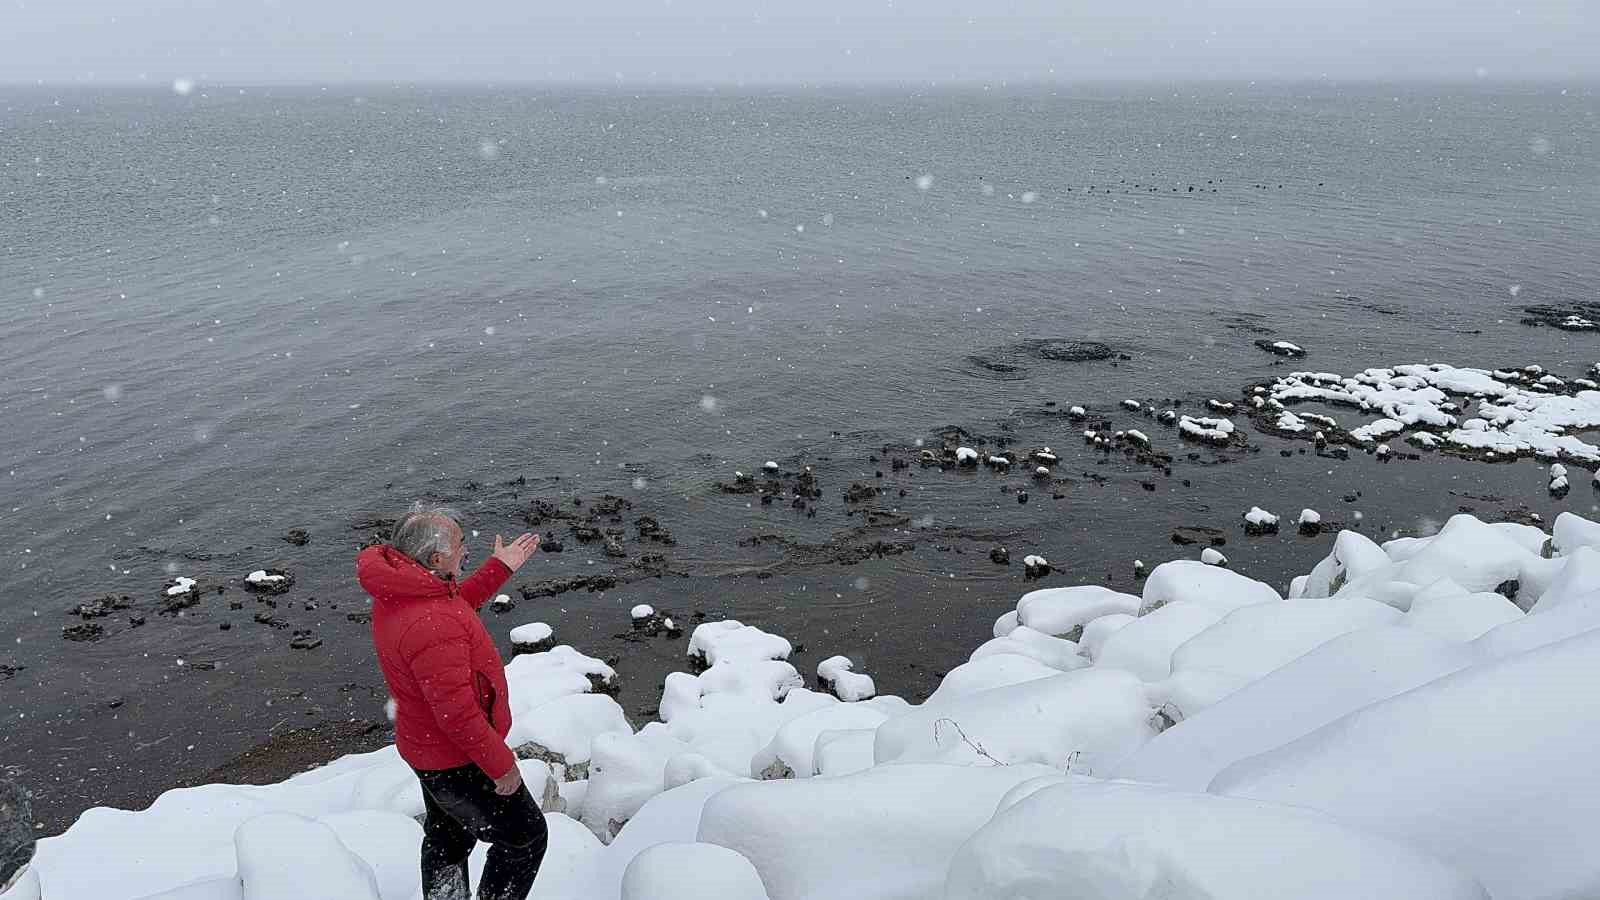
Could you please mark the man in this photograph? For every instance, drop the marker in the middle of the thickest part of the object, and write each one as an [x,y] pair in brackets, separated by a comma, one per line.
[451,712]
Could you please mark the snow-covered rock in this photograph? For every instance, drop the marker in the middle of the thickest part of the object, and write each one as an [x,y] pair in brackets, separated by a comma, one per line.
[836,676]
[323,868]
[1217,589]
[1087,719]
[888,832]
[691,871]
[1259,521]
[736,642]
[1133,842]
[1335,679]
[1511,798]
[1063,612]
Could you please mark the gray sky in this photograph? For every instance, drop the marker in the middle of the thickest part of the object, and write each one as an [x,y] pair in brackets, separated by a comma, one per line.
[754,41]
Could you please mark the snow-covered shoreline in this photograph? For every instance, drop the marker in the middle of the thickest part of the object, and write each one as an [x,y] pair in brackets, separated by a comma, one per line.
[1398,725]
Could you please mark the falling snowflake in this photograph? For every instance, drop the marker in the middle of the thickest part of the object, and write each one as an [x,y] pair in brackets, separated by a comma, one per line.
[640,484]
[708,403]
[488,149]
[924,182]
[183,87]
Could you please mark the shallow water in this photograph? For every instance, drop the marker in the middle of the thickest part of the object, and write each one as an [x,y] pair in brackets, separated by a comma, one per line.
[233,314]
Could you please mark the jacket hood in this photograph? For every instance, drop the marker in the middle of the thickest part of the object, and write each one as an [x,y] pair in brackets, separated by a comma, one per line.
[391,576]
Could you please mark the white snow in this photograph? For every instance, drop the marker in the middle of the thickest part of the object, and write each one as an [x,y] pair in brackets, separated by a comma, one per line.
[1206,429]
[1510,420]
[1034,561]
[181,585]
[642,611]
[1398,728]
[531,633]
[735,641]
[1064,611]
[1211,556]
[1115,841]
[888,832]
[691,871]
[1219,590]
[1260,518]
[1510,797]
[1309,517]
[847,685]
[259,576]
[966,455]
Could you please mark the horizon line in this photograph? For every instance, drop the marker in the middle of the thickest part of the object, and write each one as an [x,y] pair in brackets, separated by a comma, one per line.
[200,84]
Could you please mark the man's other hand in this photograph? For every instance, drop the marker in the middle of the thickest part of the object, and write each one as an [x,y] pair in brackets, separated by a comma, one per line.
[517,552]
[507,784]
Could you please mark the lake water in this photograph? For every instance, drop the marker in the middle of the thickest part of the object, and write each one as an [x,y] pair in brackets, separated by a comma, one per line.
[236,312]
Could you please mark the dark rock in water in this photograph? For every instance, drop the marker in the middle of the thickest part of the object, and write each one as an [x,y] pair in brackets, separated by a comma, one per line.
[550,543]
[1036,567]
[16,829]
[1282,348]
[1060,350]
[1198,534]
[7,671]
[611,505]
[650,529]
[1007,363]
[586,533]
[305,640]
[87,632]
[614,548]
[270,620]
[298,537]
[1311,529]
[1000,556]
[591,583]
[381,529]
[105,606]
[1022,496]
[1565,316]
[278,581]
[359,618]
[858,492]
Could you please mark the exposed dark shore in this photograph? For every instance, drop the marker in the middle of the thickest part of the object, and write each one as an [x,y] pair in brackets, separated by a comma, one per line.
[883,553]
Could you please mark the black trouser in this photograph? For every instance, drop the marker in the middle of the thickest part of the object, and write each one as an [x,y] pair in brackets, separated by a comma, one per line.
[464,809]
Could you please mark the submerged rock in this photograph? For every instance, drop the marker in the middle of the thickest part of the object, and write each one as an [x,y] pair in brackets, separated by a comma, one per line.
[1186,535]
[269,581]
[1282,348]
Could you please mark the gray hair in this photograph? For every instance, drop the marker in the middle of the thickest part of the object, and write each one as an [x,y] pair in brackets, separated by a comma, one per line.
[422,531]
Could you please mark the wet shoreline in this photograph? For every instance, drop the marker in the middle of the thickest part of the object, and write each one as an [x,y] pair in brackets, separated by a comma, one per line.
[882,552]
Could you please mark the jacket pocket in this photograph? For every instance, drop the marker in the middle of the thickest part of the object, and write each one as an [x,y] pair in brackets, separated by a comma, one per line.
[486,694]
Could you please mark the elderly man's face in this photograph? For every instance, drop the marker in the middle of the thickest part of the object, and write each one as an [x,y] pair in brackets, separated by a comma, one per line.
[450,563]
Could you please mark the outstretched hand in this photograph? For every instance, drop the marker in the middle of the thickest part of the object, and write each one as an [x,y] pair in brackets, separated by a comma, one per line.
[517,552]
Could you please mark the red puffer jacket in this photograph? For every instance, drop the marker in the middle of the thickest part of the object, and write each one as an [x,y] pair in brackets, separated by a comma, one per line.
[444,672]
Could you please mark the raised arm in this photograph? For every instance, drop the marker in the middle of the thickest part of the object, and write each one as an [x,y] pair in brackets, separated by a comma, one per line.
[507,558]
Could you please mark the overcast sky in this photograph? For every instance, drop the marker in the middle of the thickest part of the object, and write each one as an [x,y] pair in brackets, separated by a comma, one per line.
[753,41]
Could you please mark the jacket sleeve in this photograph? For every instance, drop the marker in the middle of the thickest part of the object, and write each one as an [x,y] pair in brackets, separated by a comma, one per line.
[481,585]
[440,662]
